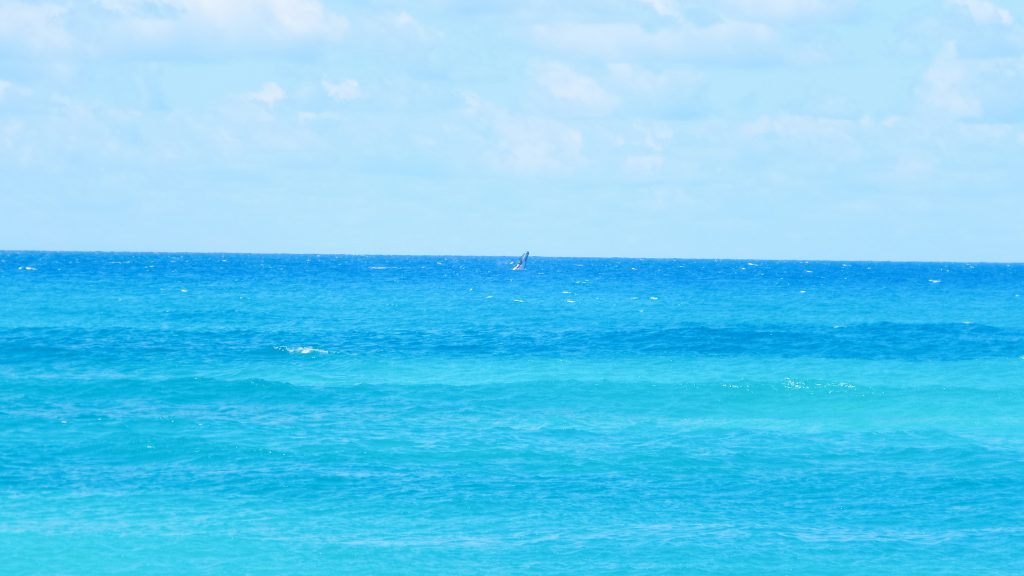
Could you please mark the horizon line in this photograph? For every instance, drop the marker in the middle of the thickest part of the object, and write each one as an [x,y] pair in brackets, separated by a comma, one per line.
[510,255]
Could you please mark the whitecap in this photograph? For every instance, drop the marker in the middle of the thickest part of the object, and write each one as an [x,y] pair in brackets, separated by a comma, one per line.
[571,301]
[302,350]
[795,384]
[380,267]
[934,281]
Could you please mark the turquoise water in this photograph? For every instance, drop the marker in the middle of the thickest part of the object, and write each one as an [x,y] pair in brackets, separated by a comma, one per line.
[245,414]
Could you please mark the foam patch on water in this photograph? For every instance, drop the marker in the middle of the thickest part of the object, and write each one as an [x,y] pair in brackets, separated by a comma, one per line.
[301,350]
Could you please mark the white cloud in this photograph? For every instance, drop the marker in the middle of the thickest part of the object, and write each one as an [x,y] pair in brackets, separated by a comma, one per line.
[655,135]
[36,26]
[524,144]
[344,90]
[8,88]
[407,23]
[270,94]
[751,10]
[9,133]
[644,164]
[617,41]
[531,144]
[233,19]
[566,84]
[779,9]
[985,12]
[667,8]
[945,85]
[675,85]
[801,128]
[635,78]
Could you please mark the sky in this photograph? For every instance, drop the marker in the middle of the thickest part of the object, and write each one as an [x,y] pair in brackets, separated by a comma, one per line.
[754,129]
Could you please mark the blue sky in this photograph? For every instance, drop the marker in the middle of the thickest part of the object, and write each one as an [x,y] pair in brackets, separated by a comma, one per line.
[804,129]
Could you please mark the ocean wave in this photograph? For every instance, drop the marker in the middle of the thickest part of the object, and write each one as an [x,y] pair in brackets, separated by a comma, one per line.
[301,350]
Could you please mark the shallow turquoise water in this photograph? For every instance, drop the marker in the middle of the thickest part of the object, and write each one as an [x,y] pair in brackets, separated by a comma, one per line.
[243,414]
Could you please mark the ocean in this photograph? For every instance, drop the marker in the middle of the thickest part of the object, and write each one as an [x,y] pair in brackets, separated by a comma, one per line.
[305,414]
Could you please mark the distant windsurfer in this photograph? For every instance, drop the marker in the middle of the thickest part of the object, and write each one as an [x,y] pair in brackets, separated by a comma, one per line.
[522,261]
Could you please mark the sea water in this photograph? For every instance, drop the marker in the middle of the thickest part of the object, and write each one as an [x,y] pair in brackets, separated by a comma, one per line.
[285,414]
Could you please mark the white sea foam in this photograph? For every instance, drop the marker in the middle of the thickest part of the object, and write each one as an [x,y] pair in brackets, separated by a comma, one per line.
[934,281]
[302,350]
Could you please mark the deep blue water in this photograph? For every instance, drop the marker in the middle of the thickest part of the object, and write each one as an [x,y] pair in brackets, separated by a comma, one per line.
[251,414]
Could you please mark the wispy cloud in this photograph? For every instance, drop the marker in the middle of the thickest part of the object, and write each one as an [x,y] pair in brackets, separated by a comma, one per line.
[270,94]
[985,12]
[344,90]
[667,8]
[566,84]
[812,129]
[684,40]
[525,144]
[780,9]
[409,24]
[944,86]
[35,26]
[225,21]
[10,89]
[644,164]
